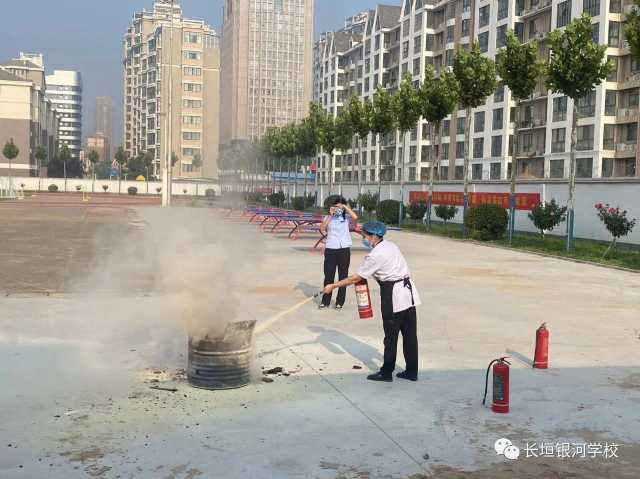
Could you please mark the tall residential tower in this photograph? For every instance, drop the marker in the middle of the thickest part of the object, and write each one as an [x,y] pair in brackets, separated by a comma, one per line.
[64,89]
[171,90]
[267,50]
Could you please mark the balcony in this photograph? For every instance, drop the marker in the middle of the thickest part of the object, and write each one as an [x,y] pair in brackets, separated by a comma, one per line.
[532,123]
[543,6]
[627,114]
[626,148]
[632,81]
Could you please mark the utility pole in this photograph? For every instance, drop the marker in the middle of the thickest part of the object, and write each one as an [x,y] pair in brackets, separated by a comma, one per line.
[166,174]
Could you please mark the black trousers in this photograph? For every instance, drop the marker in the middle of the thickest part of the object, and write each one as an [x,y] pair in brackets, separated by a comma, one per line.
[403,322]
[336,259]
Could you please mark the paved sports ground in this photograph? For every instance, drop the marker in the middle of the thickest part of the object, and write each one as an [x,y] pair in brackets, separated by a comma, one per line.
[85,334]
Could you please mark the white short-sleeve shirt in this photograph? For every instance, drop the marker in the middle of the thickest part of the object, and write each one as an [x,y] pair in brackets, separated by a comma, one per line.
[385,262]
[338,234]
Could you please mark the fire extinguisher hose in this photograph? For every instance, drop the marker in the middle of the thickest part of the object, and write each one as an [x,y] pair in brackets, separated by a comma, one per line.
[486,379]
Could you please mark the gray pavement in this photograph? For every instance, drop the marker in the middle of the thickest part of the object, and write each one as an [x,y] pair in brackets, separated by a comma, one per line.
[77,369]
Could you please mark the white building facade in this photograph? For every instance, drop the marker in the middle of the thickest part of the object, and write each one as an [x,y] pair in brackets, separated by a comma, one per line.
[64,90]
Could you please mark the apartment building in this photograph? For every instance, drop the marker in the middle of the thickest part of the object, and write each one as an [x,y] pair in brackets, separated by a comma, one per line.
[430,31]
[104,117]
[26,115]
[171,90]
[64,89]
[267,55]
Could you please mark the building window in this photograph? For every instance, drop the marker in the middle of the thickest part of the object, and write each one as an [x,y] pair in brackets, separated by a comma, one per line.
[189,55]
[191,135]
[496,146]
[584,168]
[497,119]
[190,37]
[614,34]
[564,14]
[608,138]
[615,6]
[476,171]
[445,151]
[459,172]
[194,87]
[592,7]
[450,33]
[460,149]
[478,147]
[498,96]
[501,36]
[560,108]
[478,122]
[558,140]
[278,5]
[190,151]
[610,103]
[484,15]
[483,41]
[445,127]
[595,32]
[466,24]
[503,9]
[444,172]
[556,168]
[587,104]
[631,132]
[196,104]
[460,123]
[585,138]
[495,171]
[613,76]
[192,120]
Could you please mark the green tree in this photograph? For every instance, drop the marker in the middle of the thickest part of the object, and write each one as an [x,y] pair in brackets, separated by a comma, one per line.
[520,70]
[360,114]
[197,161]
[632,35]
[406,111]
[576,66]
[121,158]
[10,152]
[476,75]
[546,216]
[381,124]
[438,99]
[93,158]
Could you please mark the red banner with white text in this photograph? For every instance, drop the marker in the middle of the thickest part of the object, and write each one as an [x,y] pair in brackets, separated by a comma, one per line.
[524,201]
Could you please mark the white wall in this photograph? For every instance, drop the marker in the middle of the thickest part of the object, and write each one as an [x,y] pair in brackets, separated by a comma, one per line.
[622,193]
[87,185]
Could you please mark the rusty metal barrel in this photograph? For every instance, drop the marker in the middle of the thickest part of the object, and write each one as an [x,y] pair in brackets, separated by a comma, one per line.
[222,362]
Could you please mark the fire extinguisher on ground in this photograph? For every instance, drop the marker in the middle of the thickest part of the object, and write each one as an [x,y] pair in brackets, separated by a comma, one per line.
[541,356]
[363,298]
[500,403]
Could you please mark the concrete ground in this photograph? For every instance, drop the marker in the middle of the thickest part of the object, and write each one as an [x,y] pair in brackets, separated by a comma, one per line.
[80,355]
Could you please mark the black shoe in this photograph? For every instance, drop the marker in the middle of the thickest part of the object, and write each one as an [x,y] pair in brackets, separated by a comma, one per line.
[405,375]
[379,376]
[338,307]
[322,306]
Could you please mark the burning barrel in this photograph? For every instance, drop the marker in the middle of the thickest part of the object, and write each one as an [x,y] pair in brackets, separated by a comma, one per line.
[222,362]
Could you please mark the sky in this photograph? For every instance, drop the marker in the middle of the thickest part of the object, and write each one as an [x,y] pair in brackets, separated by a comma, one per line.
[86,35]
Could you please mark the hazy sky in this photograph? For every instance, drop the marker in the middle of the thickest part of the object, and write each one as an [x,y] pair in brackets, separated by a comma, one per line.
[86,35]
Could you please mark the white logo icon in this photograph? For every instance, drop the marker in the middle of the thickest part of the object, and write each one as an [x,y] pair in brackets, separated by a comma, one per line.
[504,447]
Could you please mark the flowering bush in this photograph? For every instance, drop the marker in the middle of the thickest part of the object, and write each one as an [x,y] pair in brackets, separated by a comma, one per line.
[616,222]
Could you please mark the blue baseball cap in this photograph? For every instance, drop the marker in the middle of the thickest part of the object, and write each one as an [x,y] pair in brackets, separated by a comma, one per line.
[377,228]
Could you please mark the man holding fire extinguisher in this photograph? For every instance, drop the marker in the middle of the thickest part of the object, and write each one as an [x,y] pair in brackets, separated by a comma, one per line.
[398,300]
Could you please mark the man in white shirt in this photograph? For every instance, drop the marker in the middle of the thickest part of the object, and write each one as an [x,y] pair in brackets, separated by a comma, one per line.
[398,299]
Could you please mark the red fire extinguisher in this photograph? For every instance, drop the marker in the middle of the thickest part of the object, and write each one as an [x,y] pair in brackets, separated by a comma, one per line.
[363,299]
[500,402]
[541,356]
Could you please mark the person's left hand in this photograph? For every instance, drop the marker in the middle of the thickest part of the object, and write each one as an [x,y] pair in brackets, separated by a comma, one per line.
[328,289]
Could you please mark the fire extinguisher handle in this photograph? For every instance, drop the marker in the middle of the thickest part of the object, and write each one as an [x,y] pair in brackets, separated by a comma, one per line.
[486,380]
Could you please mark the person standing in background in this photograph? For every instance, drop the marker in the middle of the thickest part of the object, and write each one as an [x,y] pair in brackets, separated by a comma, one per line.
[337,252]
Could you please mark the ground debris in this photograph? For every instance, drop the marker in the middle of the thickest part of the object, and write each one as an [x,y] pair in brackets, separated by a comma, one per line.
[160,388]
[355,366]
[276,370]
[267,380]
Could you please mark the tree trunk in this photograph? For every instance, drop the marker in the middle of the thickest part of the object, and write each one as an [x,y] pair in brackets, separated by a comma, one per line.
[64,167]
[435,161]
[359,166]
[379,167]
[514,173]
[405,135]
[611,247]
[572,179]
[465,170]
[295,178]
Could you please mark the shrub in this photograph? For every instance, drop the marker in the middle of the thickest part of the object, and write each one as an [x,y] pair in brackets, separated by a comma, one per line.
[78,187]
[184,191]
[22,185]
[445,213]
[276,199]
[352,203]
[616,222]
[548,215]
[255,197]
[417,210]
[53,188]
[298,202]
[487,222]
[158,189]
[368,201]
[210,193]
[388,211]
[105,188]
[132,190]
